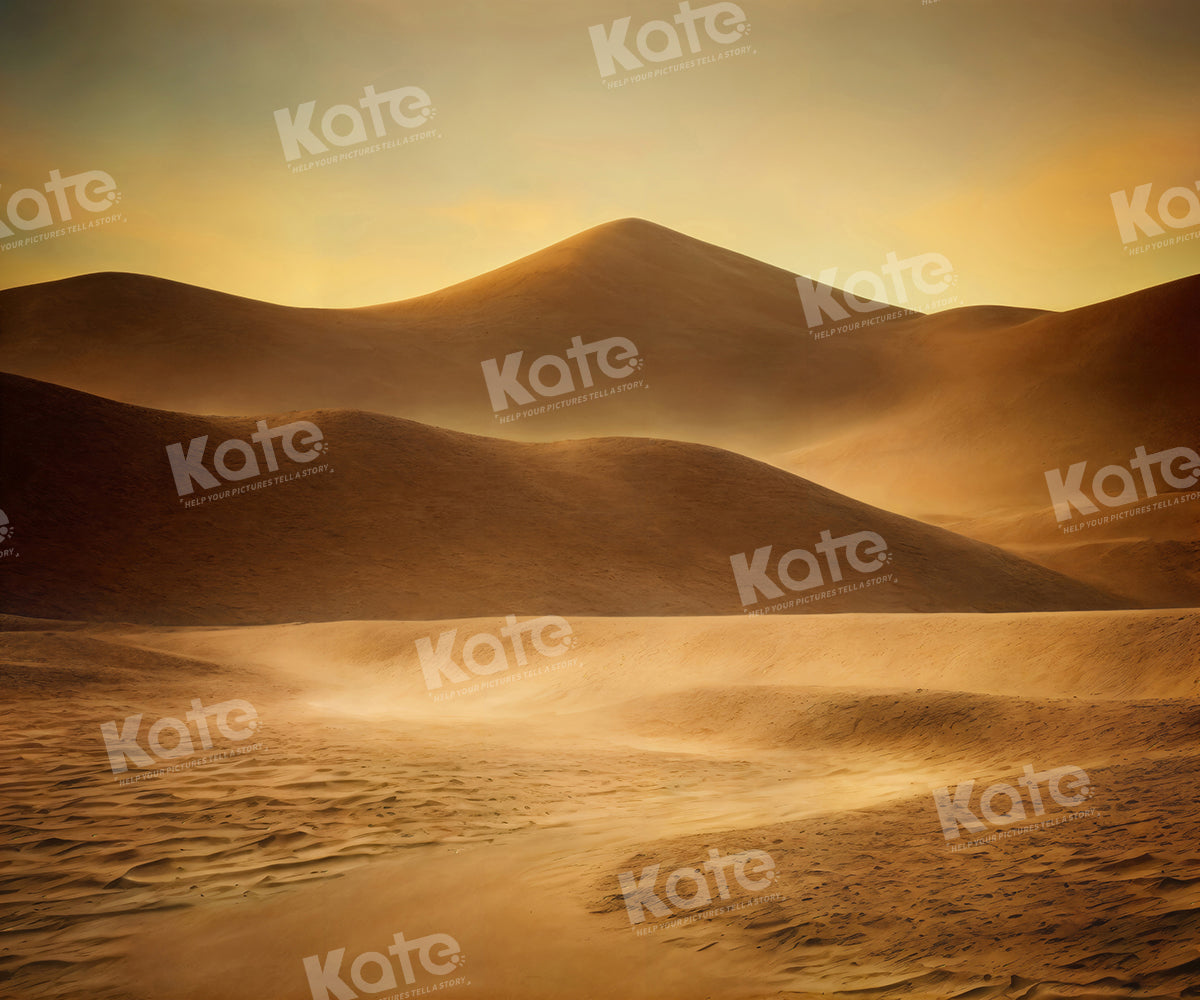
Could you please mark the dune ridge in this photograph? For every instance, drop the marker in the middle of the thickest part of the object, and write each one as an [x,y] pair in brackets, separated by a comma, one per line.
[401,520]
[951,418]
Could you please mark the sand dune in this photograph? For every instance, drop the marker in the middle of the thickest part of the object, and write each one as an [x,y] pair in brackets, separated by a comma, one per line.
[951,418]
[504,817]
[709,323]
[402,520]
[997,406]
[1000,410]
[1124,655]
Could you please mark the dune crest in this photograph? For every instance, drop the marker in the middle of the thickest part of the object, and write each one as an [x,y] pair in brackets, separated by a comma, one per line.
[395,519]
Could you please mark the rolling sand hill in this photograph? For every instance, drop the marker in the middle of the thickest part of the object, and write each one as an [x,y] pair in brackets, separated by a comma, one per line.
[713,327]
[1003,406]
[951,418]
[725,347]
[401,520]
[503,816]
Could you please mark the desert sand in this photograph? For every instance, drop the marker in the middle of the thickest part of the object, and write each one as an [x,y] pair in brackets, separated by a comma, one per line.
[503,817]
[404,759]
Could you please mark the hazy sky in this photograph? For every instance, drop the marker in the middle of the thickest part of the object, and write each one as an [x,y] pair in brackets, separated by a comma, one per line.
[989,131]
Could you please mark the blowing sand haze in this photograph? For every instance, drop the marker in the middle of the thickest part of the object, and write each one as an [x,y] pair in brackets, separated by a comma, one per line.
[648,501]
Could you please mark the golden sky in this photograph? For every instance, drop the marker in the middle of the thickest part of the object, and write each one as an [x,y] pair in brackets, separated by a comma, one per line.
[830,134]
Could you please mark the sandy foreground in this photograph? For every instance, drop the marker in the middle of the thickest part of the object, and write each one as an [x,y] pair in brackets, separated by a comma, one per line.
[360,808]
